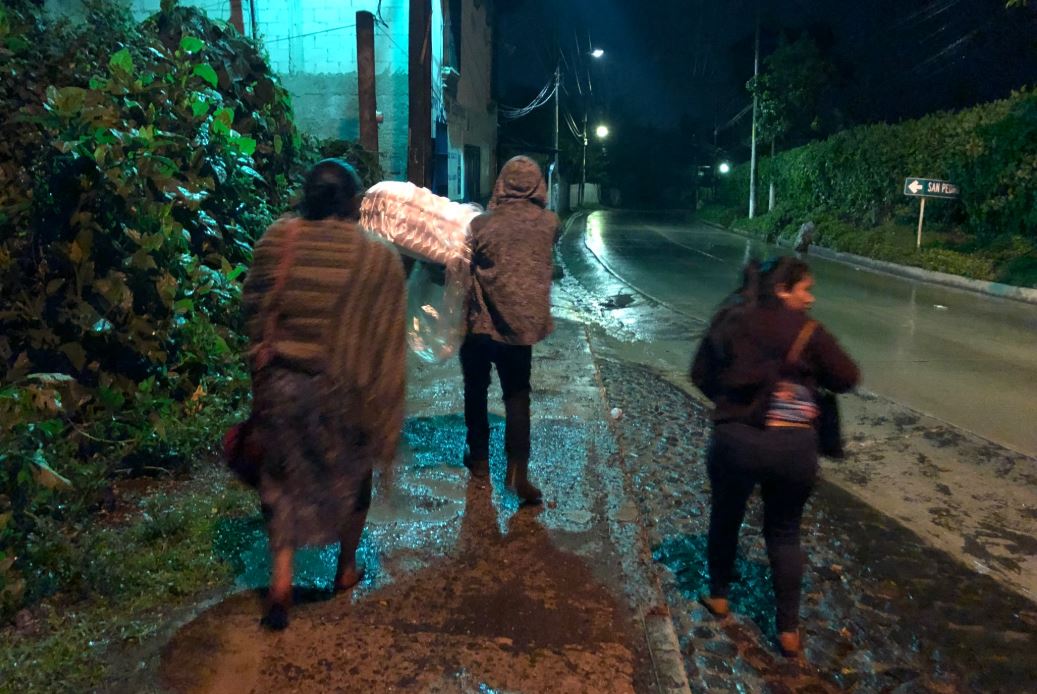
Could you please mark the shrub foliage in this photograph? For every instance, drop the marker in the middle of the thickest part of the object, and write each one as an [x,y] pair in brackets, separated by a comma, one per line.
[989,150]
[140,162]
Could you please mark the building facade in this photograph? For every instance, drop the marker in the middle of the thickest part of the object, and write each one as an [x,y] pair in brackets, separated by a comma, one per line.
[311,45]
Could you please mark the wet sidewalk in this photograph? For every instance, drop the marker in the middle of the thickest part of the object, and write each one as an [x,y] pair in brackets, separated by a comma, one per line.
[463,592]
[596,591]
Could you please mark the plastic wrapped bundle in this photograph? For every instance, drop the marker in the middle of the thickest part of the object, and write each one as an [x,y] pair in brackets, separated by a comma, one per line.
[434,230]
[436,303]
[418,222]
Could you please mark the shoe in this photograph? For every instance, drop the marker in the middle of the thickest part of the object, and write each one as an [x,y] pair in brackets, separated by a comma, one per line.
[276,617]
[718,607]
[479,469]
[790,645]
[517,480]
[348,580]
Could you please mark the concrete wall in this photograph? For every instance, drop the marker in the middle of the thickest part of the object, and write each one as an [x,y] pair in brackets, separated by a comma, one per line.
[311,44]
[471,111]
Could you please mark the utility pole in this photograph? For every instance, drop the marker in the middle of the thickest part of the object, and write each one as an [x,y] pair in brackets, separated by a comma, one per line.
[419,84]
[756,108]
[583,172]
[553,179]
[366,81]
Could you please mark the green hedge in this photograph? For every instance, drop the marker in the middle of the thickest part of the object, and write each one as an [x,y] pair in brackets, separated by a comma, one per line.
[140,163]
[858,174]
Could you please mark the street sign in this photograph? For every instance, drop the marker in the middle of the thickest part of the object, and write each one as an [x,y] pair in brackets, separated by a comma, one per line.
[930,188]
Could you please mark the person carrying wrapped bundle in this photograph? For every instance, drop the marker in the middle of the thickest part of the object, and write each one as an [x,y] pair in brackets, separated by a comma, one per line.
[509,311]
[324,305]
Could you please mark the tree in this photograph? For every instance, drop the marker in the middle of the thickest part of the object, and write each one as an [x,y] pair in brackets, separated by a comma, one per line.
[790,87]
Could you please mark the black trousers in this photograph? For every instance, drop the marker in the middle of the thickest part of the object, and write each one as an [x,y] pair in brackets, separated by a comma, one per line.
[514,363]
[784,463]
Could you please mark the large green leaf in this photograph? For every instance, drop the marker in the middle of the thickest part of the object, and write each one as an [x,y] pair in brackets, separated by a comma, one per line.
[191,44]
[122,62]
[206,72]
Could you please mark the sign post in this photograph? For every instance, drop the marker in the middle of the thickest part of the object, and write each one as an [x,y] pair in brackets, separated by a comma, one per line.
[928,188]
[921,219]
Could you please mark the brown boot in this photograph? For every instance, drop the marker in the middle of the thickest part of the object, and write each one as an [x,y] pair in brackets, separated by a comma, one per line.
[478,469]
[718,607]
[517,480]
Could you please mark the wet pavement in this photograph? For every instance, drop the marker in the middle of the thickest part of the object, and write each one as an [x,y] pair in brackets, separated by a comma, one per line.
[920,549]
[959,356]
[961,493]
[463,591]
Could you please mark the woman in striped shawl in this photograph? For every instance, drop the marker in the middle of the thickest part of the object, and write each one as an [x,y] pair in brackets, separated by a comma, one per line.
[324,305]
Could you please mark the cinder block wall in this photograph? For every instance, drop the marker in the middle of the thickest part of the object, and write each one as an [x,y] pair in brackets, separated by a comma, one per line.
[311,45]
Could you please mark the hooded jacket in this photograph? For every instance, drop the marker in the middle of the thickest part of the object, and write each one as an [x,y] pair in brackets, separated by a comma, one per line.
[512,264]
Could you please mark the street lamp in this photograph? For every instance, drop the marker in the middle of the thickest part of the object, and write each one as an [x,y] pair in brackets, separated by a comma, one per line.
[724,167]
[602,131]
[597,53]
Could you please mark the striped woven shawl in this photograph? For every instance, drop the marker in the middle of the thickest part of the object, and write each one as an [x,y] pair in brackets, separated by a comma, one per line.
[341,312]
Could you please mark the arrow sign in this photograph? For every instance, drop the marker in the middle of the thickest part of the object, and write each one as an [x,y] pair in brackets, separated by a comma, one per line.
[930,188]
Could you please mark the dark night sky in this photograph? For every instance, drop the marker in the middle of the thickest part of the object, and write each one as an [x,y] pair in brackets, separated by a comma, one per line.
[670,59]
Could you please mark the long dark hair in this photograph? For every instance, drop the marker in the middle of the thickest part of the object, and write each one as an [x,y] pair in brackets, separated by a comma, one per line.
[332,189]
[784,271]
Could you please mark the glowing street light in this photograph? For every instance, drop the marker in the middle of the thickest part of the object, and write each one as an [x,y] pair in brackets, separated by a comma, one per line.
[724,167]
[597,53]
[601,131]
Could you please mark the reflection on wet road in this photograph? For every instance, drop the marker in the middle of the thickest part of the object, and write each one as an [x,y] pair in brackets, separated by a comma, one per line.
[965,358]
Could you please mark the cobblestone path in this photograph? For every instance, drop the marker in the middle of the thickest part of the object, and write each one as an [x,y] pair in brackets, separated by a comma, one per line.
[882,610]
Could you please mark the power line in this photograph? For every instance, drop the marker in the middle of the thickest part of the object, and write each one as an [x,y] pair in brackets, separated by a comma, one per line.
[546,93]
[312,33]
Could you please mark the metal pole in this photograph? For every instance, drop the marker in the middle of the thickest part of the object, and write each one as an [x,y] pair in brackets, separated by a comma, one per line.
[756,108]
[921,218]
[771,194]
[252,18]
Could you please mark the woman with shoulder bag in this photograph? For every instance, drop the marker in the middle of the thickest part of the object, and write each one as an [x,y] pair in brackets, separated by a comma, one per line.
[762,364]
[324,305]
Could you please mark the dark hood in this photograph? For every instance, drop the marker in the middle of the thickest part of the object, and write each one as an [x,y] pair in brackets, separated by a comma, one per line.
[520,179]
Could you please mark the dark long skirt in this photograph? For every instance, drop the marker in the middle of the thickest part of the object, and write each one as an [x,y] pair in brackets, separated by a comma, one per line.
[315,482]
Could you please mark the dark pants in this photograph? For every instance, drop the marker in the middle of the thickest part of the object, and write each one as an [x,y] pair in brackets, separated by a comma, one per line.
[513,364]
[784,463]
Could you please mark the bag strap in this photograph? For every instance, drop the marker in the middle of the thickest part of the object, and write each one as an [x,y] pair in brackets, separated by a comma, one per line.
[263,353]
[796,350]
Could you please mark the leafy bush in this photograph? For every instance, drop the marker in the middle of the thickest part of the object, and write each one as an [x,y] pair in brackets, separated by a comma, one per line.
[989,150]
[139,166]
[851,186]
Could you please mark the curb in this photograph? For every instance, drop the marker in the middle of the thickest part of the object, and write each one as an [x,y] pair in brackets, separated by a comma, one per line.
[995,289]
[664,648]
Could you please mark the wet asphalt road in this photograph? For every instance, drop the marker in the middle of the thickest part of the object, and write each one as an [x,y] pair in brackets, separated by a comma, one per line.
[962,357]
